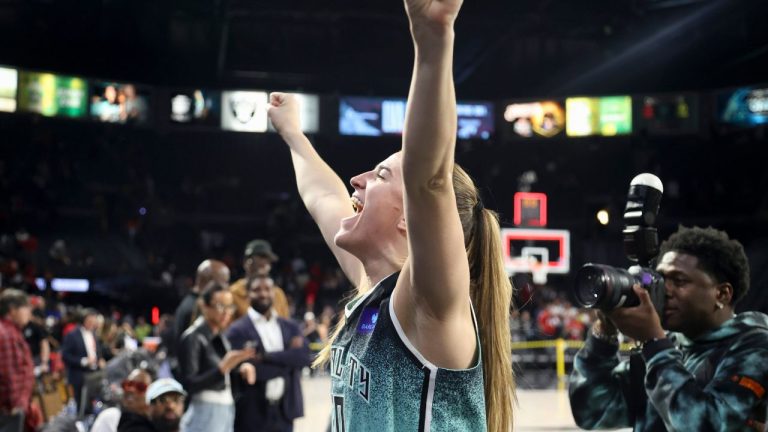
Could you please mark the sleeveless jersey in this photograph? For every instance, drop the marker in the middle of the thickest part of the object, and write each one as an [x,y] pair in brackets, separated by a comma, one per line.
[381,383]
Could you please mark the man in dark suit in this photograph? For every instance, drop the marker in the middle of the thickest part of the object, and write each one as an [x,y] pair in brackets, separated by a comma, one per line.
[275,400]
[81,354]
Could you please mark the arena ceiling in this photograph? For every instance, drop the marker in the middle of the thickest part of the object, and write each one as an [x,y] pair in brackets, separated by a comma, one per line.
[510,48]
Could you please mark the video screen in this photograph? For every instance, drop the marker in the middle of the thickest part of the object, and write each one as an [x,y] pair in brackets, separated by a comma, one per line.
[744,107]
[605,116]
[309,105]
[359,116]
[244,111]
[53,95]
[544,119]
[8,85]
[196,107]
[475,120]
[668,114]
[65,285]
[120,103]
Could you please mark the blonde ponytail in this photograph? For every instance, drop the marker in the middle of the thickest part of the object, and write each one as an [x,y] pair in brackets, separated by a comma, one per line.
[491,294]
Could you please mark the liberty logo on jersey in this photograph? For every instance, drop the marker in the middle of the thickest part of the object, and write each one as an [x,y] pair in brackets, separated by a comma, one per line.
[337,363]
[368,320]
[358,377]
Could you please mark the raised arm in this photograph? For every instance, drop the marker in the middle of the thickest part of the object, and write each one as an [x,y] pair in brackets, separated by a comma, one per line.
[323,192]
[439,272]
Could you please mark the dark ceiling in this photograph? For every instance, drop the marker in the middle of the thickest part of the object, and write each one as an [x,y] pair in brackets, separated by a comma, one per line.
[510,48]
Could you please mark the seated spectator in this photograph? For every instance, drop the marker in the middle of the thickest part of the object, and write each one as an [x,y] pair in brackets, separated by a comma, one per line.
[133,403]
[165,398]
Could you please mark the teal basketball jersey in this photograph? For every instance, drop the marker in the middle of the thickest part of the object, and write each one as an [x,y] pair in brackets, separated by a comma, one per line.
[381,383]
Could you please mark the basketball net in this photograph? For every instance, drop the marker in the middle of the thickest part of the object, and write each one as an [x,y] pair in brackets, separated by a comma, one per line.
[538,271]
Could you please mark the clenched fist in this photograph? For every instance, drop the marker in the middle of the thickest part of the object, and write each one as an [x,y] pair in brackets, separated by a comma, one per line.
[436,13]
[283,110]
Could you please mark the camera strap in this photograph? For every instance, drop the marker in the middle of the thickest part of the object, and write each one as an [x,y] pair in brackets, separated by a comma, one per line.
[634,394]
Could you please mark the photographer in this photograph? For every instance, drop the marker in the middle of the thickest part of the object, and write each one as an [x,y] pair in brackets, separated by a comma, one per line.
[709,372]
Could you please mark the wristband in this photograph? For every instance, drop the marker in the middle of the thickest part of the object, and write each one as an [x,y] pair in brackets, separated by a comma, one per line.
[653,346]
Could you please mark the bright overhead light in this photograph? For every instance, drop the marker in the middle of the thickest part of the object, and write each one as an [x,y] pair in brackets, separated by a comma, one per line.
[603,217]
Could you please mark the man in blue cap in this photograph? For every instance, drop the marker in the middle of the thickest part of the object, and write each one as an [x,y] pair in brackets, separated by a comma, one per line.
[165,397]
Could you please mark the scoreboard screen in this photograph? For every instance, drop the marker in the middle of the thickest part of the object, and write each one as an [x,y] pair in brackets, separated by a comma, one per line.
[362,116]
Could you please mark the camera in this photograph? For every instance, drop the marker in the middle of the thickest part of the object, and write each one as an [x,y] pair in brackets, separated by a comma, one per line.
[607,288]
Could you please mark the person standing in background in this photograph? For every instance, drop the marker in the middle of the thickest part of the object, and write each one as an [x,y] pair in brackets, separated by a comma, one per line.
[82,354]
[36,336]
[275,401]
[206,360]
[257,261]
[208,270]
[16,365]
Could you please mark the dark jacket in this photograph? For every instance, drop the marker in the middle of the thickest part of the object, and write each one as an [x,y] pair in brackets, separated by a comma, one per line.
[250,402]
[200,352]
[132,422]
[73,351]
[714,383]
[183,317]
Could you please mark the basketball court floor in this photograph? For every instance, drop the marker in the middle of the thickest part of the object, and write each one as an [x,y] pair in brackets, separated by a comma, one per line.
[538,410]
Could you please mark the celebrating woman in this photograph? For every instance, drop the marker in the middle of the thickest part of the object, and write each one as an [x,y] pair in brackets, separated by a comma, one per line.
[424,344]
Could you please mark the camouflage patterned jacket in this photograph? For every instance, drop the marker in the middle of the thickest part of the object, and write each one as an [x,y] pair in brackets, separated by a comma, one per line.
[715,383]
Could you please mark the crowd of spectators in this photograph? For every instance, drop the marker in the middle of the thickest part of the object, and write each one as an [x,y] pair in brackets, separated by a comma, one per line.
[129,354]
[547,314]
[135,214]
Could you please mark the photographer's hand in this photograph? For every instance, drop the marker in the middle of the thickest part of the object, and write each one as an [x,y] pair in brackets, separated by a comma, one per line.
[756,425]
[642,322]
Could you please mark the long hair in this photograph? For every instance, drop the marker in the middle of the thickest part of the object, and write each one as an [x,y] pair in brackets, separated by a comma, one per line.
[491,294]
[324,356]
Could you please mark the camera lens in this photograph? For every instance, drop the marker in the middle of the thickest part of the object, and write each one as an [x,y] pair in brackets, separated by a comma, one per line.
[604,287]
[590,285]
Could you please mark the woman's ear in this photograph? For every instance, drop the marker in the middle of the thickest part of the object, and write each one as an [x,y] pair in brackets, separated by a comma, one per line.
[402,226]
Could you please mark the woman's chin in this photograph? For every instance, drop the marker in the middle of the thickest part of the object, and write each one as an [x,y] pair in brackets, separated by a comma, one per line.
[345,236]
[344,240]
[351,242]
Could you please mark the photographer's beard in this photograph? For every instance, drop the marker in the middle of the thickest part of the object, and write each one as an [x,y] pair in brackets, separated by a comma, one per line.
[167,422]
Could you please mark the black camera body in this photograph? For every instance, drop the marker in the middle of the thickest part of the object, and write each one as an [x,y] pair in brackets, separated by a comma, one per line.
[607,288]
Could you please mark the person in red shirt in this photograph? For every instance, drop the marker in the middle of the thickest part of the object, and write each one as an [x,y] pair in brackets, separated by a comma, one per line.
[16,366]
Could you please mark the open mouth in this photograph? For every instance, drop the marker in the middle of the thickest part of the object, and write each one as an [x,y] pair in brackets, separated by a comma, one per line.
[357,204]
